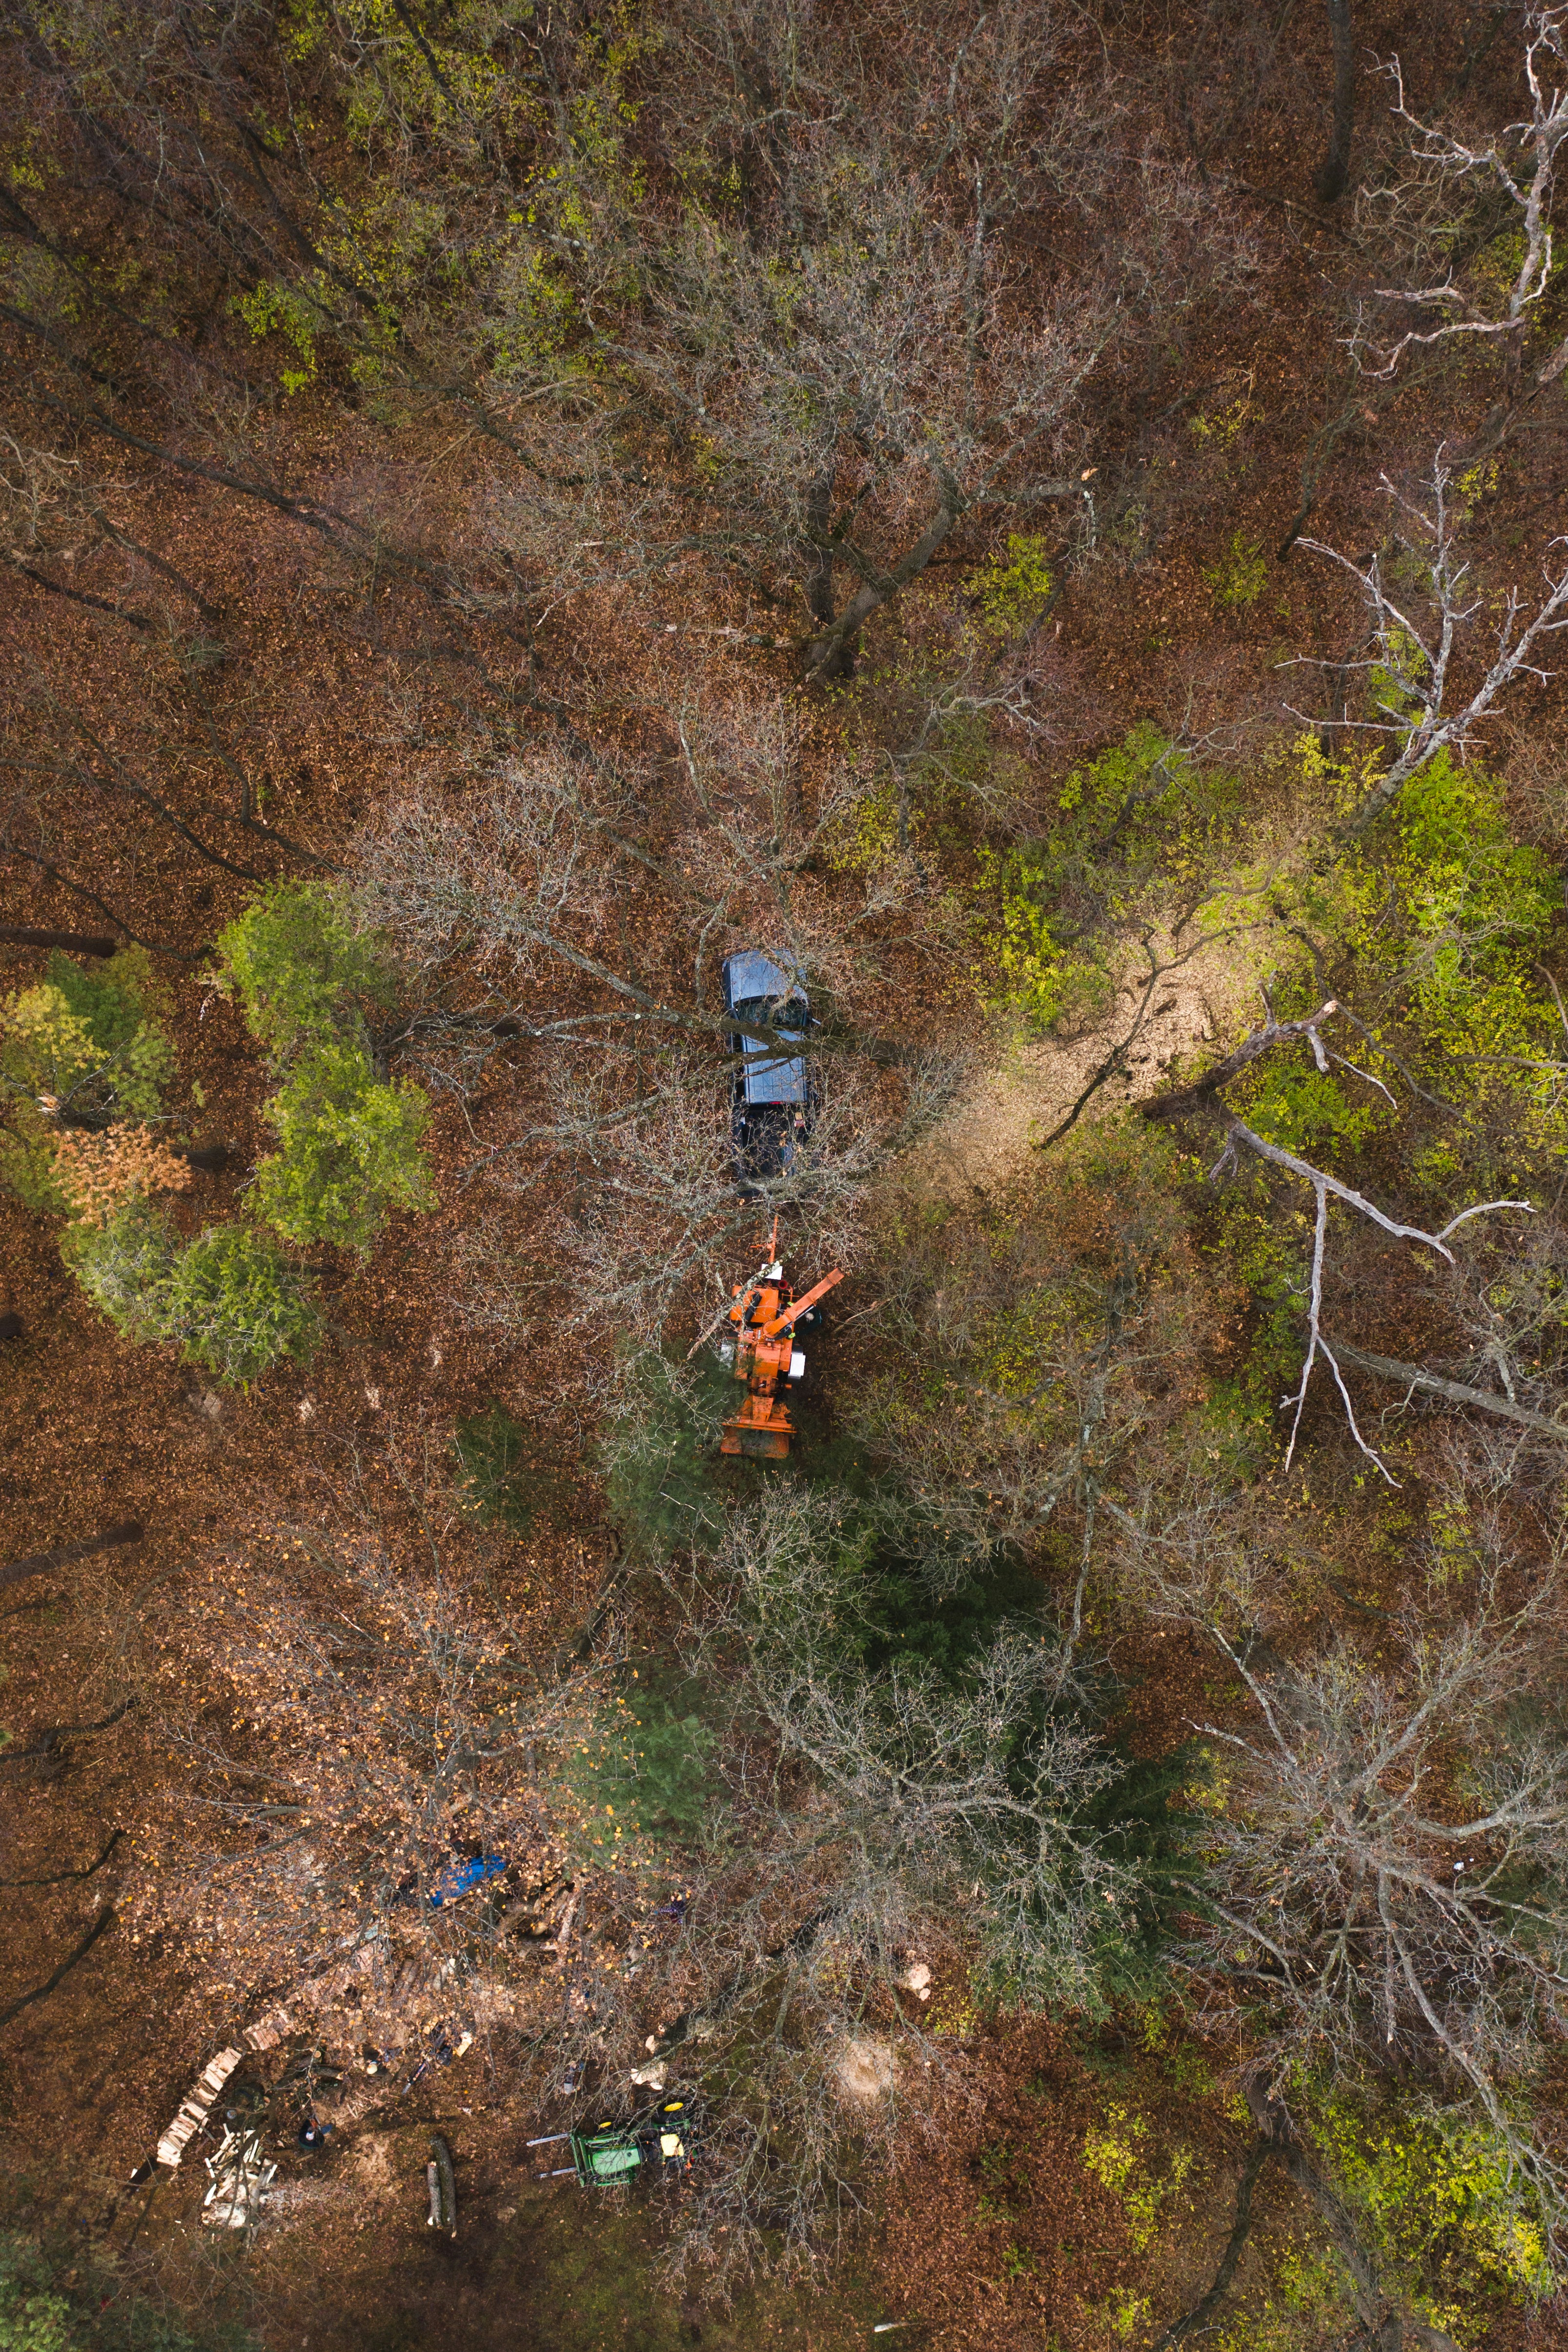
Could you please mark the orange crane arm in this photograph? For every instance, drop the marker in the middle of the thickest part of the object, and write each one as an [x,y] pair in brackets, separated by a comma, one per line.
[770,1330]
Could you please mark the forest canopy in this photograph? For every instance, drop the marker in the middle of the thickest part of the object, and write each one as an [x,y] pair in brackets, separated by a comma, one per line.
[661,651]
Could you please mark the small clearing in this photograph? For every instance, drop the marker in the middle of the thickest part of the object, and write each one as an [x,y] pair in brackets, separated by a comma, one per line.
[1032,1085]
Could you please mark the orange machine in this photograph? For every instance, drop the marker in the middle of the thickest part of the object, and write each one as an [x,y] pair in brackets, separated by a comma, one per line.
[765,1314]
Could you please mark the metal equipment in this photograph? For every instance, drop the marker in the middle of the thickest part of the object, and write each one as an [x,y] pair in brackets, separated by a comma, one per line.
[654,2145]
[763,1354]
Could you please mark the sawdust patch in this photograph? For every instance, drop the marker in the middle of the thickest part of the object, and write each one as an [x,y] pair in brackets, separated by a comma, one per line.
[291,2204]
[865,2070]
[371,2161]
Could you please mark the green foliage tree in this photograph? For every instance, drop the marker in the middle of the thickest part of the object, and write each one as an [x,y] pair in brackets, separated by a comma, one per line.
[31,2319]
[660,1453]
[1440,2194]
[644,1764]
[1432,925]
[301,968]
[230,1299]
[59,2295]
[88,1048]
[80,1048]
[1141,828]
[507,1473]
[124,1265]
[91,1043]
[349,1150]
[235,1304]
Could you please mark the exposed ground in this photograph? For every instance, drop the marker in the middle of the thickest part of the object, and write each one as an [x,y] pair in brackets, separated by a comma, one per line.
[1031,1085]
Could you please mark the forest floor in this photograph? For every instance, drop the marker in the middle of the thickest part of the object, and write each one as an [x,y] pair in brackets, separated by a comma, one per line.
[1032,1087]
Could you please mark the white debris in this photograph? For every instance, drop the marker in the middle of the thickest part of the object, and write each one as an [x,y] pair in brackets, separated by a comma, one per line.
[241,2178]
[917,1978]
[651,2078]
[865,2069]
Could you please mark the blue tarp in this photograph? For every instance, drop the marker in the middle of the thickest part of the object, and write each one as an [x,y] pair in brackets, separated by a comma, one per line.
[463,1878]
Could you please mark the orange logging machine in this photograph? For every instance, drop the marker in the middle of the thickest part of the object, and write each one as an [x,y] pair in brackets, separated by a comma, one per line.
[766,1357]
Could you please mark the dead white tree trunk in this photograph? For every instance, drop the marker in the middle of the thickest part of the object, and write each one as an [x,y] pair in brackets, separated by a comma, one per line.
[1239,1135]
[1413,651]
[1526,181]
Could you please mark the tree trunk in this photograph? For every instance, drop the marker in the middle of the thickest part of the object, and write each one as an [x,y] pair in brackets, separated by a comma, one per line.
[1333,171]
[51,873]
[40,1562]
[1198,2318]
[1417,1376]
[1383,2321]
[126,612]
[104,1919]
[832,654]
[818,552]
[87,943]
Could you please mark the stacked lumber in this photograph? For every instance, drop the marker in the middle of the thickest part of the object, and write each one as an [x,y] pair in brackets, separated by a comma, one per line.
[264,2035]
[194,2109]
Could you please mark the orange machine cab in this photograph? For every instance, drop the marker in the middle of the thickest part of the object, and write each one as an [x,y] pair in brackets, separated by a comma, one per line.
[764,1315]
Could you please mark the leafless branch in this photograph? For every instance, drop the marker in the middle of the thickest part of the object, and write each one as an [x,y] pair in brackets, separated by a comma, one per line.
[1416,653]
[1322,1185]
[1525,180]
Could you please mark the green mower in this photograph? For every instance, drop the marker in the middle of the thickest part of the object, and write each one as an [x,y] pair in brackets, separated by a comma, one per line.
[656,2143]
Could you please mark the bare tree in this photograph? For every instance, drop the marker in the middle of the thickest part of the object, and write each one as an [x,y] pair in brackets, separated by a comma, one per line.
[631,1063]
[875,1817]
[1054,1344]
[876,377]
[1387,1873]
[53,513]
[1240,1135]
[520,885]
[373,1725]
[1519,167]
[1418,639]
[1203,1096]
[658,1212]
